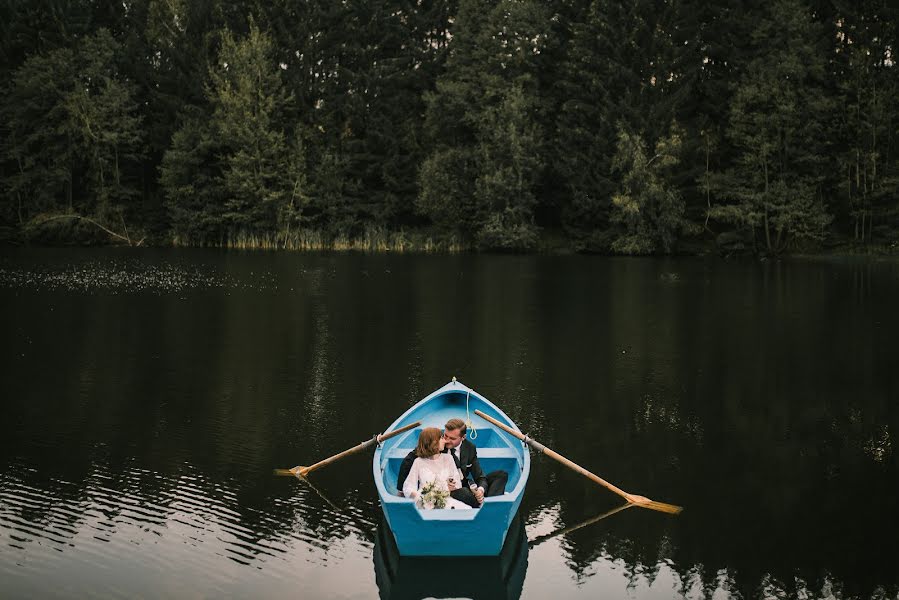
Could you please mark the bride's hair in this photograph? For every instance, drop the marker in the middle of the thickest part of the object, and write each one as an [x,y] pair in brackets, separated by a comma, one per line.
[428,442]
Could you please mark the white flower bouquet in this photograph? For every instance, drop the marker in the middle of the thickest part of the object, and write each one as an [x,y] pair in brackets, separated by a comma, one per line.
[432,496]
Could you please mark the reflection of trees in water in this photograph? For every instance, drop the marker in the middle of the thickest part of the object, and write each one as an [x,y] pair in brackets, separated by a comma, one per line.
[780,445]
[246,519]
[771,471]
[745,413]
[767,510]
[743,569]
[189,432]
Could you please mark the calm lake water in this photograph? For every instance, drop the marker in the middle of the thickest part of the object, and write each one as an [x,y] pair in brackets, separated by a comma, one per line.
[148,395]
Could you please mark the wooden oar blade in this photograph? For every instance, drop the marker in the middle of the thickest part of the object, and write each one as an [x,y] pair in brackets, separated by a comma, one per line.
[671,509]
[294,472]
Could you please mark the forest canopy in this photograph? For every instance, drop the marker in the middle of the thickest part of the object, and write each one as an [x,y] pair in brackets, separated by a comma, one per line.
[633,127]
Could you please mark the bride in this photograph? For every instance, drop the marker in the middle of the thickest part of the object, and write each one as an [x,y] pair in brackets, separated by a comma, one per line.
[433,468]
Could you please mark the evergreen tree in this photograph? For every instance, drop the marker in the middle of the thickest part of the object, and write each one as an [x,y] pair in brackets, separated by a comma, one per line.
[446,178]
[447,193]
[105,126]
[707,51]
[73,133]
[649,210]
[483,119]
[37,140]
[191,178]
[590,83]
[623,64]
[509,169]
[867,85]
[777,127]
[489,119]
[258,176]
[28,29]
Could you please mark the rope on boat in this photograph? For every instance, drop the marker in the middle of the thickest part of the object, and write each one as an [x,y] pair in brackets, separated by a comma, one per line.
[472,432]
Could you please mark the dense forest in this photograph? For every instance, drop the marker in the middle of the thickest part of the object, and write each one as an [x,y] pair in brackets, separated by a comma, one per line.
[631,127]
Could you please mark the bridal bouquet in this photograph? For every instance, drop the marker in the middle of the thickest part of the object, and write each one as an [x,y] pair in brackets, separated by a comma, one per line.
[432,496]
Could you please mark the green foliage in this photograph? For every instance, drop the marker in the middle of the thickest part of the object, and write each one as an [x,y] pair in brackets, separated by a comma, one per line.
[868,164]
[624,63]
[510,165]
[507,230]
[649,210]
[247,95]
[486,106]
[491,123]
[74,135]
[253,181]
[777,126]
[190,174]
[330,206]
[38,142]
[589,82]
[447,191]
[105,126]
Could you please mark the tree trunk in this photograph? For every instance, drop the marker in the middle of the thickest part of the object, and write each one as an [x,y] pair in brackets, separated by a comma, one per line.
[18,193]
[765,199]
[69,190]
[71,175]
[708,197]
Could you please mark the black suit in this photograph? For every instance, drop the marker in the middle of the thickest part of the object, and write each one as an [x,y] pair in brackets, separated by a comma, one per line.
[494,483]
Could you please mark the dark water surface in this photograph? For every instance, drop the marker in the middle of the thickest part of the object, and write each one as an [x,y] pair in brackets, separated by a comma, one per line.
[147,396]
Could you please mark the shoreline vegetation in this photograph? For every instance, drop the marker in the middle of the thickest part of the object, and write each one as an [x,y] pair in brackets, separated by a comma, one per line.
[373,240]
[380,240]
[549,126]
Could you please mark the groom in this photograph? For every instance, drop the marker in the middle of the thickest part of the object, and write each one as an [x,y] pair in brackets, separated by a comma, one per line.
[465,454]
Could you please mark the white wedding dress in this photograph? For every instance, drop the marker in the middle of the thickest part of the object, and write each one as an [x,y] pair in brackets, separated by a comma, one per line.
[438,469]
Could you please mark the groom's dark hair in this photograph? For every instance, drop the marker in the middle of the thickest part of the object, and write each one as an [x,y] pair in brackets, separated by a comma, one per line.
[454,424]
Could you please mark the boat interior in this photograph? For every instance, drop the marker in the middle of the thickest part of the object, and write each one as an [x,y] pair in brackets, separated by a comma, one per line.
[494,452]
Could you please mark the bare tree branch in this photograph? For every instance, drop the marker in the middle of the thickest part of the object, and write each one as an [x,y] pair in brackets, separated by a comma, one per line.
[125,237]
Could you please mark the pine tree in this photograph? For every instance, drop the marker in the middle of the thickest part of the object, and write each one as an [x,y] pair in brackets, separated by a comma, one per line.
[777,128]
[74,135]
[483,120]
[191,178]
[624,64]
[867,85]
[37,140]
[594,85]
[447,175]
[102,108]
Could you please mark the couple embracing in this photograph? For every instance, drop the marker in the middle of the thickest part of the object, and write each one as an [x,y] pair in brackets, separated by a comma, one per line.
[436,474]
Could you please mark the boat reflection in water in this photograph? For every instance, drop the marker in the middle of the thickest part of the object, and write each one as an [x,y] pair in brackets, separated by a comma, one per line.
[451,577]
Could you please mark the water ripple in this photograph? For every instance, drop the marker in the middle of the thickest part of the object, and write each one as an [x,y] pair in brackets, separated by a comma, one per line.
[127,277]
[192,523]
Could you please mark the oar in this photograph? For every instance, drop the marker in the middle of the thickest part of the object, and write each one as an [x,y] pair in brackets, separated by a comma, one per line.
[640,501]
[303,471]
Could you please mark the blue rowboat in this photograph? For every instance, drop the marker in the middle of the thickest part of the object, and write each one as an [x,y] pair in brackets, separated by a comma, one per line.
[444,532]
